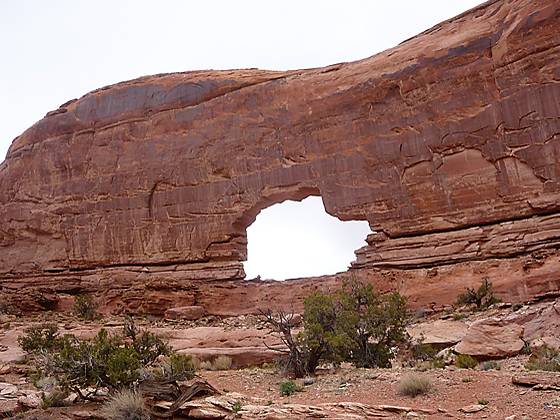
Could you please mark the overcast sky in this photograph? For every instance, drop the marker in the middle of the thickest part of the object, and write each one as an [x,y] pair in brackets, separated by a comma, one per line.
[53,51]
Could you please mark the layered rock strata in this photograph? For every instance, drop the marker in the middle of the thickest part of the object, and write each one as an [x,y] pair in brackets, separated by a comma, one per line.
[446,144]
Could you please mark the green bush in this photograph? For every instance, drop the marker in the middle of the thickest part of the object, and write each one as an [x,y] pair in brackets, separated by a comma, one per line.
[464,361]
[544,358]
[355,324]
[41,338]
[369,325]
[107,360]
[236,407]
[483,297]
[414,384]
[85,307]
[179,367]
[288,388]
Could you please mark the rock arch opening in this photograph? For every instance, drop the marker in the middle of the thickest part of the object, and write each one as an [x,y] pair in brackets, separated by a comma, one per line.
[295,239]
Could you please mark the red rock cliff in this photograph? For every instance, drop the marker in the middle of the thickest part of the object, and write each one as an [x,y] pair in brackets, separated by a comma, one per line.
[447,144]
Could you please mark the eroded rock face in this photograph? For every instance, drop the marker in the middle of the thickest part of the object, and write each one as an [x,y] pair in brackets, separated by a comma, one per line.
[447,144]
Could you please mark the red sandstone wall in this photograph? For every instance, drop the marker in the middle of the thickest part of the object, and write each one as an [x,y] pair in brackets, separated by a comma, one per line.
[447,144]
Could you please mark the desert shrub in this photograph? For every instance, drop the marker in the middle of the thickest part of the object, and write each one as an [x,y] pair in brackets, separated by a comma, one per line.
[489,365]
[314,344]
[483,401]
[85,307]
[206,365]
[436,363]
[54,398]
[126,405]
[457,316]
[107,360]
[222,363]
[369,325]
[182,366]
[423,351]
[414,384]
[178,367]
[288,388]
[464,361]
[355,324]
[219,363]
[147,345]
[236,407]
[45,383]
[483,297]
[6,307]
[544,358]
[40,339]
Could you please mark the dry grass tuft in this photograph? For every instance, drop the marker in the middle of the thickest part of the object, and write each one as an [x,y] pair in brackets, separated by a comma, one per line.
[222,363]
[414,384]
[126,405]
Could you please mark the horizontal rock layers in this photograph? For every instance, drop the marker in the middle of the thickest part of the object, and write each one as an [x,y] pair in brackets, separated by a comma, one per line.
[446,144]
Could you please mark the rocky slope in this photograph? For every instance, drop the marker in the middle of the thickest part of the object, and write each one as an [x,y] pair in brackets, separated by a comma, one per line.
[446,144]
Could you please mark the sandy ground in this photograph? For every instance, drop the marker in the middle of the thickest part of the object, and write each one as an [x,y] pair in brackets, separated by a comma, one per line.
[452,390]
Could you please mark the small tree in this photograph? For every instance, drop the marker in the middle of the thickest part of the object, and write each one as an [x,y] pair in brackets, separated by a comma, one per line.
[483,297]
[354,324]
[369,325]
[85,307]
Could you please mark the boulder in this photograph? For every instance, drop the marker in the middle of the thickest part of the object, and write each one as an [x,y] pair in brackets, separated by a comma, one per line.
[491,338]
[30,399]
[474,408]
[542,380]
[440,333]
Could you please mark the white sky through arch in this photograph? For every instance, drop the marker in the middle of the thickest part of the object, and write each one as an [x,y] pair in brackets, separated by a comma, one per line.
[299,239]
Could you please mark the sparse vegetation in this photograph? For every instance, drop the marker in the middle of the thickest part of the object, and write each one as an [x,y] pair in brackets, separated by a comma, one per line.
[414,384]
[482,298]
[222,363]
[369,325]
[236,407]
[126,405]
[489,365]
[107,360]
[425,356]
[288,388]
[544,358]
[355,324]
[41,338]
[85,307]
[219,363]
[177,367]
[464,361]
[54,398]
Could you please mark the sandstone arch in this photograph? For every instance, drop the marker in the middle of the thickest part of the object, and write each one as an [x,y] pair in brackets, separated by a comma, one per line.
[447,144]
